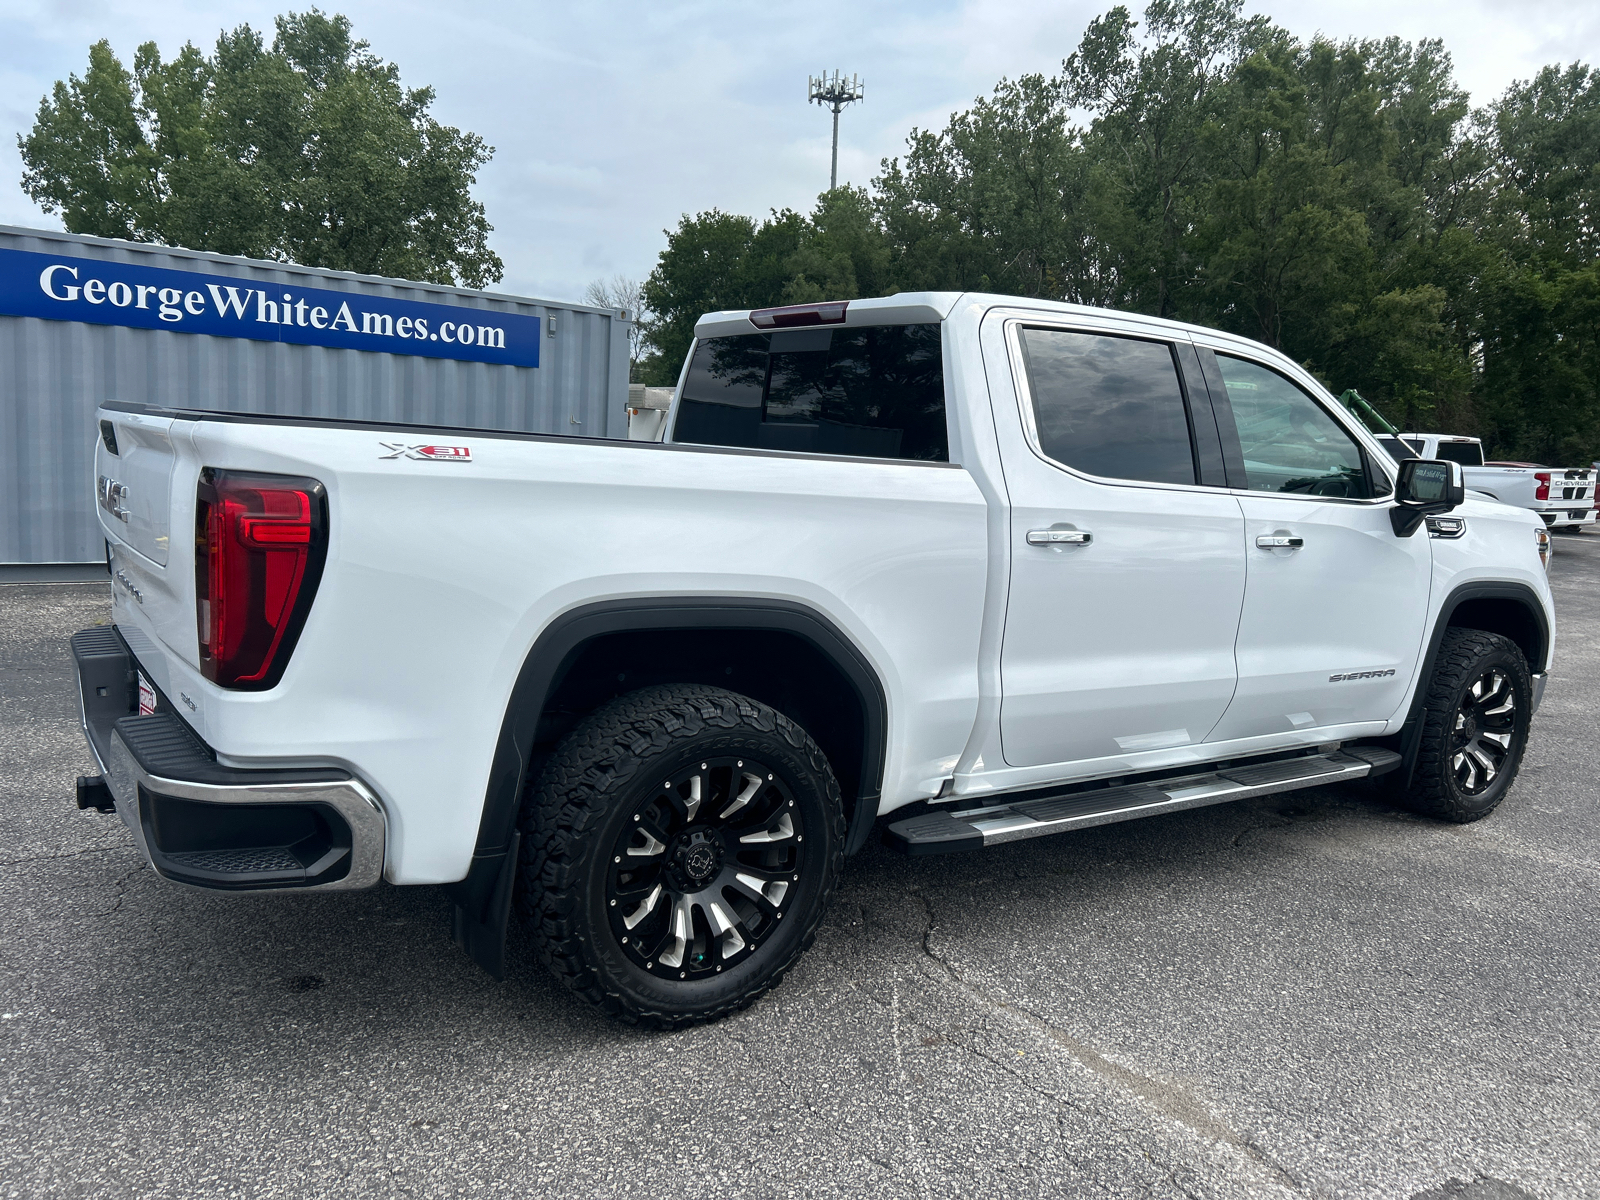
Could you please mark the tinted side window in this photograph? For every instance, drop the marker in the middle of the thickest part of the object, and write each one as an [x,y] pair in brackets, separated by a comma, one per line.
[1289,443]
[874,391]
[1109,406]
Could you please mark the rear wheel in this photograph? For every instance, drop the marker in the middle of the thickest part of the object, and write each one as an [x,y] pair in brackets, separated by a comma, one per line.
[679,850]
[1476,715]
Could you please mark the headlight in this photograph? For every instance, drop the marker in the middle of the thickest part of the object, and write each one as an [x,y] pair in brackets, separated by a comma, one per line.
[1542,536]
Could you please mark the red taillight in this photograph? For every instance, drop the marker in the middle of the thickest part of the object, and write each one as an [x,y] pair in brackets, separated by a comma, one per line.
[1542,491]
[260,541]
[829,313]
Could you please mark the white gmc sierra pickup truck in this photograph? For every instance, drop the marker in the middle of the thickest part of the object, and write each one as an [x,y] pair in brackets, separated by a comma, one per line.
[962,569]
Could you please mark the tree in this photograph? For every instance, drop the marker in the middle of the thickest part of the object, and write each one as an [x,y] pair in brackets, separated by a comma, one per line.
[993,203]
[1338,200]
[626,294]
[1153,96]
[713,261]
[842,254]
[309,151]
[1541,301]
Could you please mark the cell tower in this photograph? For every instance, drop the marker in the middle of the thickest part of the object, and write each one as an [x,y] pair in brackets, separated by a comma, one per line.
[834,93]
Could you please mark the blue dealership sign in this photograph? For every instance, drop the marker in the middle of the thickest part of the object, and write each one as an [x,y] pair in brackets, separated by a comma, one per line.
[61,287]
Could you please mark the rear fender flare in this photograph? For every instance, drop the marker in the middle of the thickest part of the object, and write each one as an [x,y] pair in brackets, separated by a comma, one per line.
[563,639]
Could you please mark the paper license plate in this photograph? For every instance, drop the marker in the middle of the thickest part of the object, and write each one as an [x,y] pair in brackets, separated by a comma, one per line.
[147,696]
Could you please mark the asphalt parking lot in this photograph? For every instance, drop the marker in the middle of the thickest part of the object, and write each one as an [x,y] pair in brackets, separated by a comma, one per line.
[1311,994]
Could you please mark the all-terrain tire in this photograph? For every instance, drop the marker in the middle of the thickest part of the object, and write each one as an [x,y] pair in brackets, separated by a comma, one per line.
[1466,659]
[577,820]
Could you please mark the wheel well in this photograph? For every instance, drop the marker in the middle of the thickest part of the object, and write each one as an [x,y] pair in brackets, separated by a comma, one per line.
[777,668]
[1507,617]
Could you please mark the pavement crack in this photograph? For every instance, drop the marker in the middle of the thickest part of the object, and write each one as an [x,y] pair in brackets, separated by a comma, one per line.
[39,858]
[1169,1100]
[122,892]
[1256,827]
[927,943]
[1011,1070]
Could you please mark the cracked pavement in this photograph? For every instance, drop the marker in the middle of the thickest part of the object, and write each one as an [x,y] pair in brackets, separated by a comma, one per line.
[1313,994]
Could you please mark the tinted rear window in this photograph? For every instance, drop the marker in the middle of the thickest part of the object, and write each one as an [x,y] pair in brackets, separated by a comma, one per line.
[1468,454]
[876,391]
[1397,449]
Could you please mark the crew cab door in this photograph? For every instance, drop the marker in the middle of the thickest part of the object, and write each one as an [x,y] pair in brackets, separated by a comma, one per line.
[1335,604]
[1127,560]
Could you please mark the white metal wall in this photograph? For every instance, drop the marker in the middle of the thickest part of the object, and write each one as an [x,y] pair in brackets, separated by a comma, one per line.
[53,374]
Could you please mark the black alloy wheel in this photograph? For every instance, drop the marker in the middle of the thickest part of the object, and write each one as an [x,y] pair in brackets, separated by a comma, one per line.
[1486,725]
[679,849]
[700,879]
[1476,710]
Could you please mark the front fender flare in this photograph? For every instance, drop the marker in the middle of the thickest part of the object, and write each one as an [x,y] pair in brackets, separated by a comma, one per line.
[1408,741]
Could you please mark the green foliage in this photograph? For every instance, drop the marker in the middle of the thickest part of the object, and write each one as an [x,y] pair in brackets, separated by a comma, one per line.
[1338,200]
[309,151]
[713,261]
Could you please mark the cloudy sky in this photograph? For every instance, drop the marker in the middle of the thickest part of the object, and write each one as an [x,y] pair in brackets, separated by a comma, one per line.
[611,119]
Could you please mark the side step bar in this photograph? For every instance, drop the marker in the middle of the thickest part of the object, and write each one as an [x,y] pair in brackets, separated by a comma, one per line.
[943,832]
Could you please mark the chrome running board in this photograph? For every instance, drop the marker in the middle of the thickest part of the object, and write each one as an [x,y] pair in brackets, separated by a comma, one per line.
[945,831]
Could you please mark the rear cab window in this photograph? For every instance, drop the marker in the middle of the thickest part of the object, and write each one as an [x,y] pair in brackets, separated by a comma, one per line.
[1468,454]
[871,391]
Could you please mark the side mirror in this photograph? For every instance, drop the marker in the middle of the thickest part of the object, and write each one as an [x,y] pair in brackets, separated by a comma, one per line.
[1426,487]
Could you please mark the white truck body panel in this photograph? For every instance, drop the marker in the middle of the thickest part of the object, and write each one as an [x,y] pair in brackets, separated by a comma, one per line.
[1351,566]
[1126,644]
[1172,639]
[406,664]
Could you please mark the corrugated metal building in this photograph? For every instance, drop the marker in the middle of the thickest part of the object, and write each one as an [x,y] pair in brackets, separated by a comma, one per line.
[70,339]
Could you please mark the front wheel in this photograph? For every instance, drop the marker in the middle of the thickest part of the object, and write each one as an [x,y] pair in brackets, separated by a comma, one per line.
[679,850]
[1476,714]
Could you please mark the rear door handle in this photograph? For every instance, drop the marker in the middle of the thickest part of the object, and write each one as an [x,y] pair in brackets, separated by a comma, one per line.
[1280,541]
[1059,537]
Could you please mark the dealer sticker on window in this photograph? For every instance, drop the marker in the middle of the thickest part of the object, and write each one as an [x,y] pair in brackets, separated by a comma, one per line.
[147,696]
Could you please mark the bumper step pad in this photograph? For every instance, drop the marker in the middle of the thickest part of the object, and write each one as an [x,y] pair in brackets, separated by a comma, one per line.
[203,822]
[943,832]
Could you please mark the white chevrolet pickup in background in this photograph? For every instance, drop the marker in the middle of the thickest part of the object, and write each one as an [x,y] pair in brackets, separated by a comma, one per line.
[1564,497]
[962,569]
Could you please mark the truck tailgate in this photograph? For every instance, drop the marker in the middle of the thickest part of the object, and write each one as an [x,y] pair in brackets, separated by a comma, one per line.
[144,481]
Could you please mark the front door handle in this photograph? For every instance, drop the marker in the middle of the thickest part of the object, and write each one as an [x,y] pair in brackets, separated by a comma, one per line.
[1059,537]
[1280,541]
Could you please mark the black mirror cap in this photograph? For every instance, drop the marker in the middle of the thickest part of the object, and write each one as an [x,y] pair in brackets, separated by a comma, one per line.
[1425,487]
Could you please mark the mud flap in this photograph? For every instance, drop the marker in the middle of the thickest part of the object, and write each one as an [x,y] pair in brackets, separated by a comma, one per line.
[480,928]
